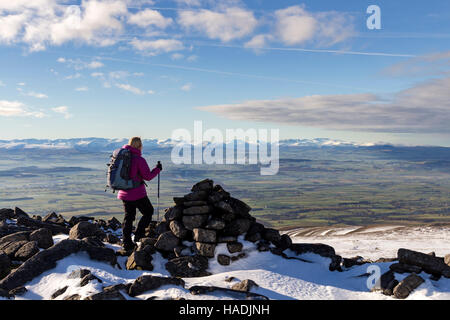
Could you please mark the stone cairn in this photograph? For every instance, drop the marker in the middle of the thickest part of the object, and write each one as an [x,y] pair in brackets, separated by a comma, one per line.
[199,221]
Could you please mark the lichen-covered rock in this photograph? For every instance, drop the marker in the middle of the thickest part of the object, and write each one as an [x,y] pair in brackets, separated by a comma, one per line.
[215,224]
[140,260]
[204,235]
[188,267]
[428,263]
[245,285]
[234,247]
[223,259]
[205,249]
[408,285]
[178,229]
[148,282]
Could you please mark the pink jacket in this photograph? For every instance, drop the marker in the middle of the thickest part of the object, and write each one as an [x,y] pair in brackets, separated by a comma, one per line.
[140,170]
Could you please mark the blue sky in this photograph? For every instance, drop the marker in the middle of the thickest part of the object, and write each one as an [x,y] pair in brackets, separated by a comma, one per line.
[121,68]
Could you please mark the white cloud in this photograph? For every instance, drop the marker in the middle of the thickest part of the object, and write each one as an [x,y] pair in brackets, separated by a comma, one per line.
[189,3]
[17,109]
[79,64]
[119,74]
[295,25]
[81,89]
[424,108]
[154,47]
[426,65]
[73,76]
[151,92]
[97,74]
[226,25]
[192,58]
[177,56]
[21,84]
[40,23]
[64,110]
[130,88]
[138,74]
[187,87]
[258,41]
[149,17]
[37,95]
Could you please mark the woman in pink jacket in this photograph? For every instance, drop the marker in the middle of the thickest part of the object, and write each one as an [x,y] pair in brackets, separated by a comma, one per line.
[137,198]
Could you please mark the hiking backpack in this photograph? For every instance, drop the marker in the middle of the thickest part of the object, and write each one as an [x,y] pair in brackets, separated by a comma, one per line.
[118,175]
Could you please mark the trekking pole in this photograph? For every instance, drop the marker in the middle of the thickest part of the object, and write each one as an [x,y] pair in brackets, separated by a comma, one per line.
[157,201]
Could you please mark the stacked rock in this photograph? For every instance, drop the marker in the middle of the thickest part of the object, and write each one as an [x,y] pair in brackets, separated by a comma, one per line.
[202,219]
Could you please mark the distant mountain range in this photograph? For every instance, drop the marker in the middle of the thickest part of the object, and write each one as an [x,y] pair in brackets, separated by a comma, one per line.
[103,144]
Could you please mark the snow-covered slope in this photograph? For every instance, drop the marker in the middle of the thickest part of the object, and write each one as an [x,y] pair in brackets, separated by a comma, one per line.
[277,278]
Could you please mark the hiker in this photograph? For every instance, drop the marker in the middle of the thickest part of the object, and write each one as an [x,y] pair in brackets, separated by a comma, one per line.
[137,197]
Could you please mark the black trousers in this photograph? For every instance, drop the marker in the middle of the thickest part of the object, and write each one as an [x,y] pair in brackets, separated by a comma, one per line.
[145,207]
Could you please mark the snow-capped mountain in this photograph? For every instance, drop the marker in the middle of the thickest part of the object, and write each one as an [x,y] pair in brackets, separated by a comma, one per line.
[103,144]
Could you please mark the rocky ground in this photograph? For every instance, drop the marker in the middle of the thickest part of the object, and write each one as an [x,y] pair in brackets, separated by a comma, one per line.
[206,230]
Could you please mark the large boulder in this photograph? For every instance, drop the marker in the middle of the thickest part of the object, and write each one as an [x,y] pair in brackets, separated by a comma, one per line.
[188,267]
[43,237]
[408,285]
[317,248]
[10,248]
[47,259]
[148,282]
[85,229]
[26,251]
[428,263]
[17,236]
[167,241]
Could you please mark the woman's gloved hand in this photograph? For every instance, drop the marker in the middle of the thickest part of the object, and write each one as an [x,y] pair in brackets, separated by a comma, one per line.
[159,165]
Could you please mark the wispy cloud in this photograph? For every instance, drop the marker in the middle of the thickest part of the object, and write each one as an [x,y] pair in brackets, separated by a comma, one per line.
[130,88]
[426,65]
[17,109]
[81,89]
[79,64]
[187,87]
[424,108]
[37,95]
[64,110]
[73,76]
[2,84]
[155,47]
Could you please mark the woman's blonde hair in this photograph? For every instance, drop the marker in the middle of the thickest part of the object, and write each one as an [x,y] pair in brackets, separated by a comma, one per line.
[135,142]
